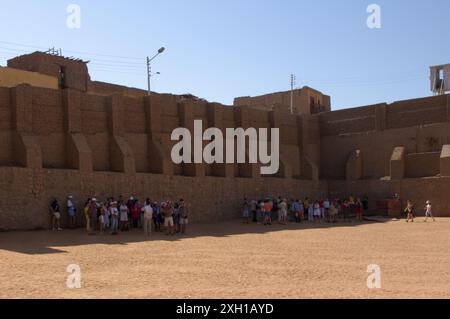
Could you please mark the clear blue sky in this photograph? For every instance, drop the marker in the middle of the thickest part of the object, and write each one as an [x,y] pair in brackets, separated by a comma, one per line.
[222,49]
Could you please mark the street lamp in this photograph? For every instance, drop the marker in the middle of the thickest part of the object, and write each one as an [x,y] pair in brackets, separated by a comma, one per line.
[149,67]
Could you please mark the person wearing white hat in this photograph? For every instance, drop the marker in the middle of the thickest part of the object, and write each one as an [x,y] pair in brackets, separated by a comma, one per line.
[428,211]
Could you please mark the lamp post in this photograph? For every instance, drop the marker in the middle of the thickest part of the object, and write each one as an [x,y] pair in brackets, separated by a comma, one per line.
[149,68]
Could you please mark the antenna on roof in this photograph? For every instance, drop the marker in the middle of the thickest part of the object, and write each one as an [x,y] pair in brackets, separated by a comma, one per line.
[54,51]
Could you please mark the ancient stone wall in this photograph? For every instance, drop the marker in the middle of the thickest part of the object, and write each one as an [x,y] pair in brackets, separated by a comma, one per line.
[66,141]
[384,149]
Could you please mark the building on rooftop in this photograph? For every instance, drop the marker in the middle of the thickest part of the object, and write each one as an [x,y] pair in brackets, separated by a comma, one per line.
[305,101]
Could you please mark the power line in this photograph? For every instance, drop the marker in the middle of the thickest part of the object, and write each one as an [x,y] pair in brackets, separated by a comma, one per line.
[72,51]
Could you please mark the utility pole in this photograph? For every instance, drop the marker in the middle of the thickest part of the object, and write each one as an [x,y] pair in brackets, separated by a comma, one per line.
[149,68]
[292,92]
[149,74]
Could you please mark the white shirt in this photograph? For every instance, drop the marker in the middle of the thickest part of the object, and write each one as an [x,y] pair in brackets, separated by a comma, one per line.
[114,212]
[148,211]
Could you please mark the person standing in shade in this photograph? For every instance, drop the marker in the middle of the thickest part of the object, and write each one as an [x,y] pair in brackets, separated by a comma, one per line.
[123,213]
[260,211]
[168,218]
[176,217]
[326,207]
[56,215]
[101,218]
[295,209]
[359,210]
[86,213]
[148,217]
[365,203]
[245,211]
[253,208]
[301,211]
[156,224]
[184,215]
[135,212]
[92,212]
[306,205]
[268,206]
[114,218]
[71,211]
[282,211]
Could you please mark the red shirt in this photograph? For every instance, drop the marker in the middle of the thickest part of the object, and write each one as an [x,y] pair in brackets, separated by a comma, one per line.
[135,211]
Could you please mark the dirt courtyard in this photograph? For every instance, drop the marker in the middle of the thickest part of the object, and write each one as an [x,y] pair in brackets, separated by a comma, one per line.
[233,260]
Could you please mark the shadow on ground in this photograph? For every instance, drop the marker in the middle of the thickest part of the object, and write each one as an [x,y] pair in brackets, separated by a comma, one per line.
[51,242]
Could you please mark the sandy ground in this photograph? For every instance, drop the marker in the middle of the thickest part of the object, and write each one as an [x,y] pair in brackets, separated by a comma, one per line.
[233,260]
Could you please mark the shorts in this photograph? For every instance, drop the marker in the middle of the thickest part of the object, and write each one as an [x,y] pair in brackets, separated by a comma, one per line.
[57,215]
[245,214]
[71,211]
[168,222]
[123,217]
[184,221]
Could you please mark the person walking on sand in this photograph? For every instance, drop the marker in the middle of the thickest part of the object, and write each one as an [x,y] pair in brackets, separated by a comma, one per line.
[409,211]
[428,211]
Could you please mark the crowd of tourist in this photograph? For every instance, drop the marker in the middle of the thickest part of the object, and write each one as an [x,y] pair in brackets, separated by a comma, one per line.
[264,211]
[122,215]
[112,216]
[315,211]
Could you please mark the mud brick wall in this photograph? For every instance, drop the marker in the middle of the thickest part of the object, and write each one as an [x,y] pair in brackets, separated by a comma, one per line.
[76,75]
[420,125]
[422,164]
[66,141]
